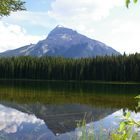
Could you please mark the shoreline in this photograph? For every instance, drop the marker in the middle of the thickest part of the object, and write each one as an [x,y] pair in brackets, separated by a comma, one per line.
[77,81]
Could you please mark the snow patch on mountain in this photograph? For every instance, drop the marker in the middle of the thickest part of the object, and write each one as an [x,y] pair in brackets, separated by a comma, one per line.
[64,42]
[45,49]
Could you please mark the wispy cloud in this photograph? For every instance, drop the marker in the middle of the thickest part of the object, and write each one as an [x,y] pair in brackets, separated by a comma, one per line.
[83,9]
[13,36]
[108,21]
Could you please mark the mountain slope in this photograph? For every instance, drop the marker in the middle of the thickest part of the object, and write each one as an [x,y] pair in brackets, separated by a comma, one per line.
[66,43]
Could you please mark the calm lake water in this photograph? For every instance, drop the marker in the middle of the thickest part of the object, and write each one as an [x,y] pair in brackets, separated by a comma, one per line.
[50,110]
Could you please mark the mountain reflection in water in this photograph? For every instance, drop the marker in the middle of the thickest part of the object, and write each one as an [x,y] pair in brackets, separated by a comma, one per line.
[50,110]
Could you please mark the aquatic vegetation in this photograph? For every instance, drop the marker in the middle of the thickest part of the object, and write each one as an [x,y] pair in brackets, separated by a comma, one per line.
[128,129]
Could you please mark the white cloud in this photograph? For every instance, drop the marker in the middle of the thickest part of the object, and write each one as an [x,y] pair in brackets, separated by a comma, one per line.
[128,33]
[83,9]
[124,36]
[41,19]
[82,15]
[96,19]
[106,21]
[13,36]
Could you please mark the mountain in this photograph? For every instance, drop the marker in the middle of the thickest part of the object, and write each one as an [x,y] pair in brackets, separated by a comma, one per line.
[64,42]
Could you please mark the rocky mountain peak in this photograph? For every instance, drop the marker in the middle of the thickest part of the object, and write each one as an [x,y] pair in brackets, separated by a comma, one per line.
[61,30]
[64,42]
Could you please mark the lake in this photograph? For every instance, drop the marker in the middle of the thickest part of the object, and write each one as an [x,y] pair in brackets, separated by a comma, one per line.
[39,110]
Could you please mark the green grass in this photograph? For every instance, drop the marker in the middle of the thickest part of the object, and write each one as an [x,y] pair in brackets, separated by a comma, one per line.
[127,129]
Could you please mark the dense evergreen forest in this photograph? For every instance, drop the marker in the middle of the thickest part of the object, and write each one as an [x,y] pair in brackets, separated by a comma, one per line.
[107,68]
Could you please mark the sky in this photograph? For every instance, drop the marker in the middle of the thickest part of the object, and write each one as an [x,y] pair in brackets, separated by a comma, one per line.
[108,21]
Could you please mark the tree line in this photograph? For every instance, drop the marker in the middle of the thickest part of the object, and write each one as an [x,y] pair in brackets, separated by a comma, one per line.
[101,68]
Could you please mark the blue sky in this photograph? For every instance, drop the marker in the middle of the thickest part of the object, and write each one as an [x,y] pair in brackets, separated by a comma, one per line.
[38,5]
[109,22]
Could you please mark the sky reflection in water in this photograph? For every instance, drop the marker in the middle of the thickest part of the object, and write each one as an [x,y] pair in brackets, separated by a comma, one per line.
[14,122]
[50,110]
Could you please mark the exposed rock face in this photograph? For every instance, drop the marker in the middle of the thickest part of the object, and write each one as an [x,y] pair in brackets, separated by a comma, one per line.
[64,42]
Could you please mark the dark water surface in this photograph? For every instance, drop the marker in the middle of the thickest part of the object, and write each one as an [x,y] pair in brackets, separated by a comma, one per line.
[38,110]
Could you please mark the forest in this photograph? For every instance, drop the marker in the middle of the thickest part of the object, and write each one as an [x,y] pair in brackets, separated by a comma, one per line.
[101,68]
